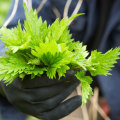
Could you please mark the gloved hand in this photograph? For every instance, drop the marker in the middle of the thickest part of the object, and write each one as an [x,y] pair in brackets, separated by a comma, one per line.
[42,97]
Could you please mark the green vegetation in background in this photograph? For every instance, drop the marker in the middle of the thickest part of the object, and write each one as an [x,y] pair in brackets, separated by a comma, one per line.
[4,7]
[33,118]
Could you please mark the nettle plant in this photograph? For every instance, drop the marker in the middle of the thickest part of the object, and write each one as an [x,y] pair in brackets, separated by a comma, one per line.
[37,49]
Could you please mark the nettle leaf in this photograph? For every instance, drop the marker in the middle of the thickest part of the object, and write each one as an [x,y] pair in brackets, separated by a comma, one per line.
[62,70]
[15,39]
[65,37]
[85,83]
[56,30]
[54,56]
[101,64]
[13,66]
[35,49]
[79,54]
[43,48]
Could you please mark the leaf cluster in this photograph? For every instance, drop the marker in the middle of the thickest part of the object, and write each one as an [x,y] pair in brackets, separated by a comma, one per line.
[39,49]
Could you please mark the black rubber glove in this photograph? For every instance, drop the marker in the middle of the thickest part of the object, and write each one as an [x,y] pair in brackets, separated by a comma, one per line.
[42,97]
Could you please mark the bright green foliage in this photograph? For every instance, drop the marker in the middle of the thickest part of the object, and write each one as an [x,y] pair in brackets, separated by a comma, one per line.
[80,53]
[40,49]
[101,64]
[16,65]
[85,83]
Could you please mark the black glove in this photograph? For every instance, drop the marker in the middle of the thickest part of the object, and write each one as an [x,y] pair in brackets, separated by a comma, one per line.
[42,97]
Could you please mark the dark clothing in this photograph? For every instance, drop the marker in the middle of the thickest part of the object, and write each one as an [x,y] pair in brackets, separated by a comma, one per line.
[85,28]
[9,112]
[109,38]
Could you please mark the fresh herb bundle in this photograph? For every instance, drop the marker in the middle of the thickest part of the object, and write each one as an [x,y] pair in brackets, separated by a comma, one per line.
[37,49]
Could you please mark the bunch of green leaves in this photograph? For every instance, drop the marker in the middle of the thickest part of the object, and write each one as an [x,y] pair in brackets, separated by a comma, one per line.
[40,49]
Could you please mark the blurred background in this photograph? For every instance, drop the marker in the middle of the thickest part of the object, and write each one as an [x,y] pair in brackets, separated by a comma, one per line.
[4,7]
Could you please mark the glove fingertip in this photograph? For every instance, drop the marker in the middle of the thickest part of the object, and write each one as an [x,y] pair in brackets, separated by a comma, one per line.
[63,109]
